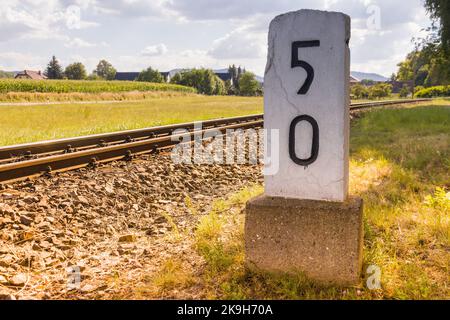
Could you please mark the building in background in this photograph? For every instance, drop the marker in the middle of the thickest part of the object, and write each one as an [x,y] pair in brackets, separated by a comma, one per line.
[29,74]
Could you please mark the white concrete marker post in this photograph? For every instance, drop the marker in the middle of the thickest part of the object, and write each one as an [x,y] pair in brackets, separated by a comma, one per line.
[308,51]
[306,221]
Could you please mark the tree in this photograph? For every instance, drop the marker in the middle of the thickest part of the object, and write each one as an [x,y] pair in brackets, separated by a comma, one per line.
[204,80]
[221,88]
[404,92]
[6,74]
[75,71]
[429,63]
[105,70]
[150,75]
[54,69]
[248,85]
[439,11]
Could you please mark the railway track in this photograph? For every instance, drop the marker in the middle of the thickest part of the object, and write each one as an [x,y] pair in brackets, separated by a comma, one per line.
[31,160]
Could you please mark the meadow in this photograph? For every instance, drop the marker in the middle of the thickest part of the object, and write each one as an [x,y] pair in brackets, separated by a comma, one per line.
[400,166]
[21,124]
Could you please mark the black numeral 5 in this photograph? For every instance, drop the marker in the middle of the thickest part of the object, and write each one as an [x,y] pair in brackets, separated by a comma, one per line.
[295,62]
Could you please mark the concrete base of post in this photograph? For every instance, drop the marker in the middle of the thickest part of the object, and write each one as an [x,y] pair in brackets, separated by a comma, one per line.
[321,239]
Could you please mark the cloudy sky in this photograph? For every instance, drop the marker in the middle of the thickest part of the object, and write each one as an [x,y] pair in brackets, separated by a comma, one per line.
[167,34]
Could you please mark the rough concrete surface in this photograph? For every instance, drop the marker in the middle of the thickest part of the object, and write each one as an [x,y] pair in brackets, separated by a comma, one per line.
[321,239]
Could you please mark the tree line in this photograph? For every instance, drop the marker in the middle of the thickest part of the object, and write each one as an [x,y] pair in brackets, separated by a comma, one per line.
[204,80]
[77,71]
[429,63]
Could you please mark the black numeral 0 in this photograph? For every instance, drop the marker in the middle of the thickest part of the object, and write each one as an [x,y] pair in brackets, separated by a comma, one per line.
[315,140]
[295,62]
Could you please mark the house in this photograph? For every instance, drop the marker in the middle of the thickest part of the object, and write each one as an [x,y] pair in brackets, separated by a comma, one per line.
[166,76]
[132,76]
[29,74]
[224,75]
[368,77]
[126,76]
[354,80]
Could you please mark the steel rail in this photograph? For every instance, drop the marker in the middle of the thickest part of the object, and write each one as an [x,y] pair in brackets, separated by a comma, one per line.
[98,140]
[67,145]
[63,162]
[72,153]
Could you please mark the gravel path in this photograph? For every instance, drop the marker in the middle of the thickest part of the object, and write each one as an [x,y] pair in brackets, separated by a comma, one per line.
[110,221]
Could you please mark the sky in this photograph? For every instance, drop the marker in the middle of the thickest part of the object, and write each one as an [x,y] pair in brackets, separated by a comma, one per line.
[168,34]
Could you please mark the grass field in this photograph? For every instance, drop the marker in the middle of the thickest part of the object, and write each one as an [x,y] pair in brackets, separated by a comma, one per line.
[22,124]
[400,166]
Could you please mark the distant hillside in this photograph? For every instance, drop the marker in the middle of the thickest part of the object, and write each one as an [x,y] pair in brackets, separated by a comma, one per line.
[6,74]
[368,76]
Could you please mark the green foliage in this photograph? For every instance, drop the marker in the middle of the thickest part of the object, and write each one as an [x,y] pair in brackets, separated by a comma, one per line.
[368,82]
[236,74]
[248,86]
[94,77]
[204,80]
[64,86]
[54,69]
[405,91]
[75,71]
[221,88]
[429,63]
[359,91]
[440,13]
[105,70]
[431,92]
[6,75]
[380,90]
[440,200]
[150,75]
[418,88]
[377,91]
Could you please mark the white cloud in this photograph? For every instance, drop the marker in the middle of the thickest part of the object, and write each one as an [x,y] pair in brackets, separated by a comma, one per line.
[239,44]
[241,27]
[236,9]
[156,50]
[39,19]
[17,61]
[132,8]
[79,43]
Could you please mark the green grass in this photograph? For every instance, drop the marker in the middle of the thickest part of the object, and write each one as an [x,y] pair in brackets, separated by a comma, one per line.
[21,124]
[65,86]
[400,167]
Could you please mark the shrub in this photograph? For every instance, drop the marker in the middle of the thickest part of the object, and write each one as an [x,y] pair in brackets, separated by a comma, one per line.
[359,91]
[380,90]
[404,92]
[437,91]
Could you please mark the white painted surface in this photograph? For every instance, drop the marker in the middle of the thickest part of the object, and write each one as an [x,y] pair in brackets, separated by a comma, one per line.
[327,101]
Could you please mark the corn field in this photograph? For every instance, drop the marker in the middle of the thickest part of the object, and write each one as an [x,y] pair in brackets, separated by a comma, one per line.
[66,86]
